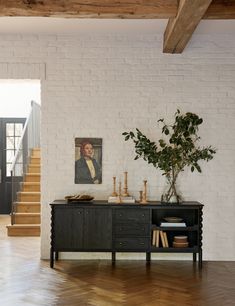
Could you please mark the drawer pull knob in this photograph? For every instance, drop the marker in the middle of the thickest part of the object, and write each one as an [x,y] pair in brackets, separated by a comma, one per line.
[141,243]
[120,243]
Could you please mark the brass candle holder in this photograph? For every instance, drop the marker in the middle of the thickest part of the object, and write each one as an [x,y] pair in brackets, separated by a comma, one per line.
[141,196]
[144,198]
[114,194]
[119,199]
[125,189]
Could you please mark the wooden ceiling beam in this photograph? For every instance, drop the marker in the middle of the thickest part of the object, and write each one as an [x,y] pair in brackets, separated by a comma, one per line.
[162,9]
[130,9]
[180,29]
[221,9]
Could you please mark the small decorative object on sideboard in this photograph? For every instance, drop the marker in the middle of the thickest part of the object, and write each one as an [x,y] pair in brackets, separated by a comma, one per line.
[173,155]
[79,198]
[123,200]
[141,196]
[114,194]
[173,219]
[180,242]
[144,194]
[121,197]
[125,189]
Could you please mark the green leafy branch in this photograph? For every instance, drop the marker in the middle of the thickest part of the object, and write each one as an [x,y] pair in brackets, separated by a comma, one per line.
[178,151]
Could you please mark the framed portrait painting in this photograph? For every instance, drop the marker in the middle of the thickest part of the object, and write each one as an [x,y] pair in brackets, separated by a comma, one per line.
[88,161]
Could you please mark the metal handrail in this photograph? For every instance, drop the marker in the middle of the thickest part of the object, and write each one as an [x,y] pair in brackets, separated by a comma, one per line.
[21,138]
[30,143]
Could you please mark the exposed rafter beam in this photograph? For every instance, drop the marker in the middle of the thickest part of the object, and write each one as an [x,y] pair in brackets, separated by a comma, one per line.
[221,9]
[180,29]
[90,9]
[146,9]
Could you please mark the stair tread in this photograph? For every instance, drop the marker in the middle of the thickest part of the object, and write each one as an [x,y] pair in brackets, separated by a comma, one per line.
[28,203]
[32,183]
[31,174]
[29,192]
[27,214]
[24,225]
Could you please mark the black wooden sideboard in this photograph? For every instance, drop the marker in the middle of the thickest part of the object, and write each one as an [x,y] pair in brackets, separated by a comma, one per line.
[99,226]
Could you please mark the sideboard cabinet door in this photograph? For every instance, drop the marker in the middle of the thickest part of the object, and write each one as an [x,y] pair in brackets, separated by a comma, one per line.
[98,228]
[68,228]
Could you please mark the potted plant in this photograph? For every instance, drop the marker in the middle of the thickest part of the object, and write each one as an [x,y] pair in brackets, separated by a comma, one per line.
[175,151]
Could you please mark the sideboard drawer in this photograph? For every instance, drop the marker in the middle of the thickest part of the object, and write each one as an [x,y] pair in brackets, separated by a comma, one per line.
[132,229]
[131,244]
[132,215]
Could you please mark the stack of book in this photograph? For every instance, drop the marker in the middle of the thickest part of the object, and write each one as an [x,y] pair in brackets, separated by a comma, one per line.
[123,200]
[159,238]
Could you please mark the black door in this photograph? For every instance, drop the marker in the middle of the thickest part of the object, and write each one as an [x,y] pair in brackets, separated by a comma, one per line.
[68,228]
[98,229]
[10,134]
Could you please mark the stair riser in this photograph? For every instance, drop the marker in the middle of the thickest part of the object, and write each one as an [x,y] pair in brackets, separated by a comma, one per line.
[28,198]
[35,161]
[32,178]
[36,153]
[27,219]
[28,208]
[23,232]
[32,169]
[31,188]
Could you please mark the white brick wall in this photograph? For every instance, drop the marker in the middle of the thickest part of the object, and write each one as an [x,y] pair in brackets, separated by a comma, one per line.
[100,86]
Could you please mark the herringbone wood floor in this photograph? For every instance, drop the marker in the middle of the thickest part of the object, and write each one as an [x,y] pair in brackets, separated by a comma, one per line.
[27,281]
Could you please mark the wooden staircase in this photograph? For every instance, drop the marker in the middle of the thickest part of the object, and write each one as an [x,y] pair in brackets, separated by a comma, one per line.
[27,216]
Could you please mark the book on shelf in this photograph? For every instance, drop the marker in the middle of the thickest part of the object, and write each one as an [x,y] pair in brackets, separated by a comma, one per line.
[157,238]
[123,199]
[166,240]
[162,239]
[173,224]
[154,237]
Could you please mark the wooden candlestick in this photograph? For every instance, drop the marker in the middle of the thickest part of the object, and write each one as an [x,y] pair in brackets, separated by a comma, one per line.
[141,196]
[144,200]
[125,193]
[119,199]
[114,194]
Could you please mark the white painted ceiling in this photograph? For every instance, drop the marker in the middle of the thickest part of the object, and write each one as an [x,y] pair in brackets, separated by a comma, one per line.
[50,25]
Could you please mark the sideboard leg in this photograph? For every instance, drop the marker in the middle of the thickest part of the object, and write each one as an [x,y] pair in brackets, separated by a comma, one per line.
[148,257]
[113,257]
[200,259]
[194,257]
[56,255]
[51,258]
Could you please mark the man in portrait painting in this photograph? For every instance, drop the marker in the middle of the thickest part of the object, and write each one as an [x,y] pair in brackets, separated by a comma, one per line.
[87,169]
